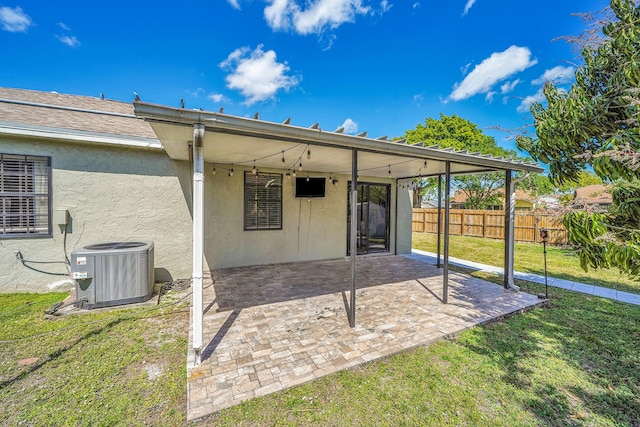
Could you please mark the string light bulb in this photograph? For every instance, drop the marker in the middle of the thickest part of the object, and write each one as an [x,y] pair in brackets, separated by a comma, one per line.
[300,166]
[288,174]
[283,160]
[254,170]
[213,171]
[231,170]
[389,170]
[308,153]
[307,176]
[294,172]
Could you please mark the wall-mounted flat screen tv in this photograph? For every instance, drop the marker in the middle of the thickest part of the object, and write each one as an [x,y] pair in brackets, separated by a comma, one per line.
[310,187]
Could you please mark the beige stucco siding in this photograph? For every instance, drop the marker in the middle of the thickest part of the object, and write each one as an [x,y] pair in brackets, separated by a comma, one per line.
[112,194]
[125,193]
[312,229]
[405,213]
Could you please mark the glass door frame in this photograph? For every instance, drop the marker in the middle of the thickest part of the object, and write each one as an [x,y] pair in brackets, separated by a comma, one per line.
[364,238]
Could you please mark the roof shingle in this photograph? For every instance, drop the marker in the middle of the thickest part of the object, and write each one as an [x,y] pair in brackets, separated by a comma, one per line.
[83,113]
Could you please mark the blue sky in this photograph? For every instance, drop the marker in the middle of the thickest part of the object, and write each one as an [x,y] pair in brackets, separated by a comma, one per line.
[376,66]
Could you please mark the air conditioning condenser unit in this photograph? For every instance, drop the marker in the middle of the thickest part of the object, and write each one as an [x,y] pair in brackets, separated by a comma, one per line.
[113,273]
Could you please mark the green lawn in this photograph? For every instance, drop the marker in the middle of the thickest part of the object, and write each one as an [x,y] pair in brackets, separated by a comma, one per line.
[528,257]
[573,362]
[123,367]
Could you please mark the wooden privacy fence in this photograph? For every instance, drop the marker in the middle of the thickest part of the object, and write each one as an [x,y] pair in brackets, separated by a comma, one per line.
[490,224]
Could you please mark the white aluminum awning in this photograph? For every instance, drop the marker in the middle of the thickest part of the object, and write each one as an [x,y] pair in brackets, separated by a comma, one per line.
[250,139]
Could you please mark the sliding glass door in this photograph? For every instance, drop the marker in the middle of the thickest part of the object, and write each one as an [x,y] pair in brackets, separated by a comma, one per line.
[373,218]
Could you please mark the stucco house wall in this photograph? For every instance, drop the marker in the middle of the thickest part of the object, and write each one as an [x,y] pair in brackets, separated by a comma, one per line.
[112,194]
[312,228]
[404,221]
[117,183]
[128,193]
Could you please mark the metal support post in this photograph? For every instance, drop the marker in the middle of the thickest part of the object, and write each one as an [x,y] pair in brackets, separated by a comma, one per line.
[438,263]
[354,231]
[508,237]
[447,203]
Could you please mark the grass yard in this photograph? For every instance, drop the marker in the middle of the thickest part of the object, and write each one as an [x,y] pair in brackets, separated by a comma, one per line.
[118,367]
[528,257]
[575,362]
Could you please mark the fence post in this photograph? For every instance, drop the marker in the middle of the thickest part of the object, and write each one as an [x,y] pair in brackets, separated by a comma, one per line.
[424,220]
[462,223]
[484,224]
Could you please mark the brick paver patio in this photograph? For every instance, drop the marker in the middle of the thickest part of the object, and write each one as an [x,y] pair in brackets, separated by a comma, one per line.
[267,328]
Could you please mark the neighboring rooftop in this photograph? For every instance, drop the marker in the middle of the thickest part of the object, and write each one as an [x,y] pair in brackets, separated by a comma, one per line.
[597,193]
[48,111]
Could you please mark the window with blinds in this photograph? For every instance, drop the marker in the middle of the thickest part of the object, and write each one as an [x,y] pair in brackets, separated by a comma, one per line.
[262,201]
[25,198]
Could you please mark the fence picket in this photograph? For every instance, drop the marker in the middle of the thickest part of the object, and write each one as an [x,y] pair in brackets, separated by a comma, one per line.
[468,222]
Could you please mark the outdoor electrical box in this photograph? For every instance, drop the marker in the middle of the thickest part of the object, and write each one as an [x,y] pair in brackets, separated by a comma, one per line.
[61,216]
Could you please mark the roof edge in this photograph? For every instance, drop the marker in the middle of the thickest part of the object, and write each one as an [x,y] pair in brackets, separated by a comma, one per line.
[225,123]
[64,134]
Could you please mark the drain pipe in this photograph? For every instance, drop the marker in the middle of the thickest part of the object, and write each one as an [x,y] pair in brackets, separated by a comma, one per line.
[510,230]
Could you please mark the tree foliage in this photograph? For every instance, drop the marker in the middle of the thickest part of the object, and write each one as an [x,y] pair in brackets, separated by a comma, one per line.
[460,134]
[596,124]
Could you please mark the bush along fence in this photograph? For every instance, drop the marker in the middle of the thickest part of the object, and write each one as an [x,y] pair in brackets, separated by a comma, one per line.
[490,224]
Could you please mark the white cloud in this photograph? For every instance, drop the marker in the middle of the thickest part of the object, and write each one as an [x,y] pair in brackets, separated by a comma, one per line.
[318,16]
[196,93]
[70,41]
[257,74]
[557,74]
[489,96]
[14,19]
[526,103]
[234,3]
[416,5]
[468,6]
[497,67]
[278,14]
[508,87]
[418,98]
[217,97]
[349,126]
[385,6]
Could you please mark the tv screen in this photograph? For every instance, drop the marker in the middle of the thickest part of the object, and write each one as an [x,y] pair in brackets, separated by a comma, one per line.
[310,187]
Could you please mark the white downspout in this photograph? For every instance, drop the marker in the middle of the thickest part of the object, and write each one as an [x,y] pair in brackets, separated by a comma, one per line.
[511,231]
[198,237]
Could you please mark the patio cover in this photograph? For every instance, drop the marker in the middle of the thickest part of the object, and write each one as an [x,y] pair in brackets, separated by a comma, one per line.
[230,141]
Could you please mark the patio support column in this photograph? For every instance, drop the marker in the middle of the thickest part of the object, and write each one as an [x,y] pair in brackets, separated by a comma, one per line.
[354,231]
[508,231]
[447,203]
[438,263]
[198,237]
